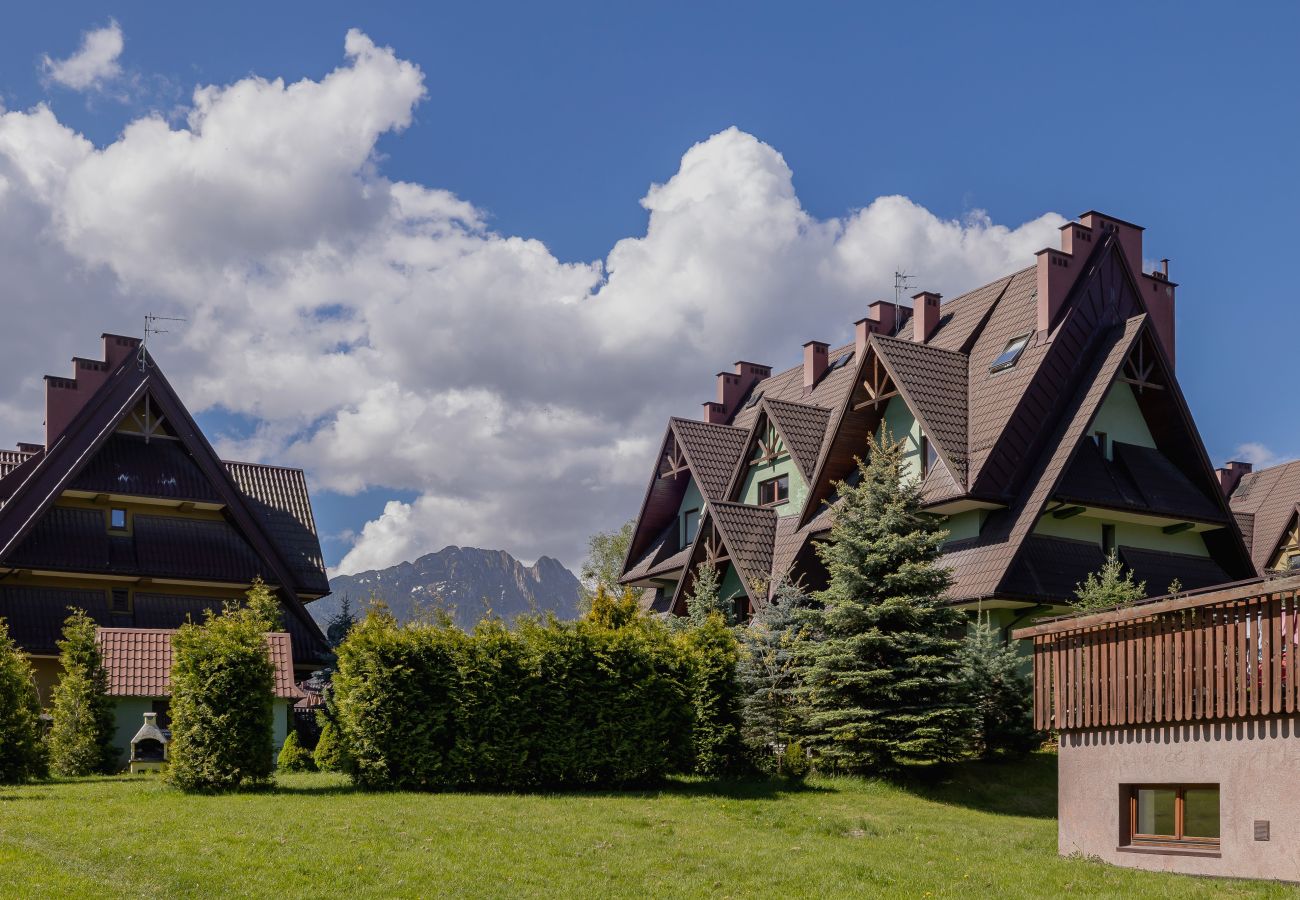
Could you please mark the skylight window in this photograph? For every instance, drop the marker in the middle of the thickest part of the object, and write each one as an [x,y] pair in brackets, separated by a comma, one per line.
[753,399]
[840,361]
[1010,354]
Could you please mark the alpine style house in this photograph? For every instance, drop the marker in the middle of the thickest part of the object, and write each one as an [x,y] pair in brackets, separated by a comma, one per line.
[1041,413]
[126,512]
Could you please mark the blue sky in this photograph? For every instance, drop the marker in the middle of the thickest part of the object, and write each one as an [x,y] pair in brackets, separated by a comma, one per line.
[554,120]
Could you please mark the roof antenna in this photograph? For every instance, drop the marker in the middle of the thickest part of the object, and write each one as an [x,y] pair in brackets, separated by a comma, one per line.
[902,284]
[151,327]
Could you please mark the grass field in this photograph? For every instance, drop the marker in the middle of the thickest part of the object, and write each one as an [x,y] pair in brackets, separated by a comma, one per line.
[983,830]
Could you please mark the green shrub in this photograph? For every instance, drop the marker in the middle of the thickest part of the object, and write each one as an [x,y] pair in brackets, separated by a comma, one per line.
[22,755]
[223,687]
[794,761]
[716,696]
[294,757]
[80,740]
[1000,693]
[550,704]
[329,750]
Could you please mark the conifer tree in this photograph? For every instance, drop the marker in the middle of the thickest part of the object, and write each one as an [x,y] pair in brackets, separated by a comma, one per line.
[703,600]
[1110,588]
[768,670]
[1000,693]
[22,756]
[881,684]
[81,737]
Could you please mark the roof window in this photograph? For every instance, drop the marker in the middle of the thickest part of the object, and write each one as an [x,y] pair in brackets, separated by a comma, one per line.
[1010,354]
[840,361]
[753,399]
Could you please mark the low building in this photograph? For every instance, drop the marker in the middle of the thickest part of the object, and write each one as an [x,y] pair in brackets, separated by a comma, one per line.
[1040,412]
[1267,507]
[1178,722]
[139,665]
[126,511]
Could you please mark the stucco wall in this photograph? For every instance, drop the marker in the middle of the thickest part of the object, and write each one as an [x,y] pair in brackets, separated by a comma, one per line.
[1121,418]
[900,425]
[783,465]
[1127,534]
[691,500]
[1255,764]
[129,716]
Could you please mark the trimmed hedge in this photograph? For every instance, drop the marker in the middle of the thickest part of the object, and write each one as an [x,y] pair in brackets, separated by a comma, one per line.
[610,700]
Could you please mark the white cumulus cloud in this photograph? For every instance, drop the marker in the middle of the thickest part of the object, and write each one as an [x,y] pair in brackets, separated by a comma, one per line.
[382,335]
[95,62]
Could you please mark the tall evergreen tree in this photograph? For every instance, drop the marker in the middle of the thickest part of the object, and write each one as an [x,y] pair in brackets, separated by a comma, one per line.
[703,599]
[81,737]
[881,685]
[999,692]
[22,756]
[336,630]
[768,670]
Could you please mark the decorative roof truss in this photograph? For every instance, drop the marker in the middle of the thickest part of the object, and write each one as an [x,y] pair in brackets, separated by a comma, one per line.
[770,446]
[1142,369]
[715,552]
[877,384]
[673,462]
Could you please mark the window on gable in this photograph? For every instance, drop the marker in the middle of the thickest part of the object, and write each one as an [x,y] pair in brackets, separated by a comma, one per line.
[1107,539]
[690,525]
[120,600]
[1010,354]
[929,456]
[1103,443]
[774,491]
[117,519]
[753,399]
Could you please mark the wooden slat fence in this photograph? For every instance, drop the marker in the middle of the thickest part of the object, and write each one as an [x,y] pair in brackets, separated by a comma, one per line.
[1222,660]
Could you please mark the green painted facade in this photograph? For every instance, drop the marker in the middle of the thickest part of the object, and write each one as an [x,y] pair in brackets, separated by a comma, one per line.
[782,465]
[899,423]
[129,716]
[731,586]
[692,500]
[1120,419]
[1127,534]
[965,524]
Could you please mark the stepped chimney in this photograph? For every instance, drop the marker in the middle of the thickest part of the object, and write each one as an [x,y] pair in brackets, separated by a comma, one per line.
[1230,475]
[732,387]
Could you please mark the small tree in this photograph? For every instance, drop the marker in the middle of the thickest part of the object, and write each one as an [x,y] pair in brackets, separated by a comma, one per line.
[223,686]
[1111,588]
[294,757]
[703,600]
[22,757]
[610,610]
[606,552]
[81,738]
[329,749]
[336,630]
[768,671]
[882,685]
[999,692]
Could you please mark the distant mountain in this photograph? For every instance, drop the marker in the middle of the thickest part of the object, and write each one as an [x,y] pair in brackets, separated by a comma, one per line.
[459,577]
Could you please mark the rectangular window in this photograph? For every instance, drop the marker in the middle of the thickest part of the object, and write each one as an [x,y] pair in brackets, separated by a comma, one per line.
[120,600]
[1103,443]
[774,491]
[690,525]
[117,519]
[1108,539]
[929,456]
[1010,354]
[1174,814]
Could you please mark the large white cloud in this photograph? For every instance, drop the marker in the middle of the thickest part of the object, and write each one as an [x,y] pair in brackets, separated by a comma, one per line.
[381,334]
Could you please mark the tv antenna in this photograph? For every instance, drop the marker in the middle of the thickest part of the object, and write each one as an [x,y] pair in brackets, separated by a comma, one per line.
[151,327]
[902,284]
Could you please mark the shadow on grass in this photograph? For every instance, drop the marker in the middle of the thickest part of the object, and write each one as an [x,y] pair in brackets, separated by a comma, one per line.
[756,788]
[1010,787]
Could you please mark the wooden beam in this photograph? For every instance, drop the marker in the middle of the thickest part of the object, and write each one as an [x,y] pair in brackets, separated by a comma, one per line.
[876,401]
[1177,528]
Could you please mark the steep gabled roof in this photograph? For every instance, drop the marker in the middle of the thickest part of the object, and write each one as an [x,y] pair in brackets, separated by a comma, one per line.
[31,489]
[932,381]
[711,451]
[1269,498]
[802,427]
[747,535]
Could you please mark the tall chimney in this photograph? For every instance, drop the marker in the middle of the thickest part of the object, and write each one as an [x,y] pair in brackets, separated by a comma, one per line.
[732,387]
[886,317]
[1231,474]
[814,363]
[925,316]
[118,347]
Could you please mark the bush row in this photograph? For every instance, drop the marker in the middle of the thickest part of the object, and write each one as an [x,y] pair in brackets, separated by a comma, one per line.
[609,700]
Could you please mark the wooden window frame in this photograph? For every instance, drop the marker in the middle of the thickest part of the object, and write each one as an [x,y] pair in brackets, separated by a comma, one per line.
[126,520]
[927,450]
[130,602]
[1177,840]
[687,538]
[779,500]
[1103,443]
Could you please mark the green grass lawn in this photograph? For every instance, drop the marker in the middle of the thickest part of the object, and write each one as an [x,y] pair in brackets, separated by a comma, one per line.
[983,830]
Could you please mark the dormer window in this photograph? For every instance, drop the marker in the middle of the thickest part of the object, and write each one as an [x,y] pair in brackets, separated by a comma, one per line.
[1010,354]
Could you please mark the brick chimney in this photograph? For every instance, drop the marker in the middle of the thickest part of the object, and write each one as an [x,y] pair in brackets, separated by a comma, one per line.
[1158,297]
[64,397]
[885,318]
[925,315]
[814,363]
[1231,474]
[732,386]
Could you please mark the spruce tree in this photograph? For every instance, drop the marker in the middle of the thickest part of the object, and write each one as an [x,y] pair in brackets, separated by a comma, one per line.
[81,738]
[703,600]
[1110,588]
[768,670]
[22,756]
[999,692]
[881,684]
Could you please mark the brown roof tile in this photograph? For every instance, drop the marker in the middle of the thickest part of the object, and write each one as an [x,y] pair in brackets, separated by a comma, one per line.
[139,662]
[802,426]
[1270,497]
[749,533]
[712,451]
